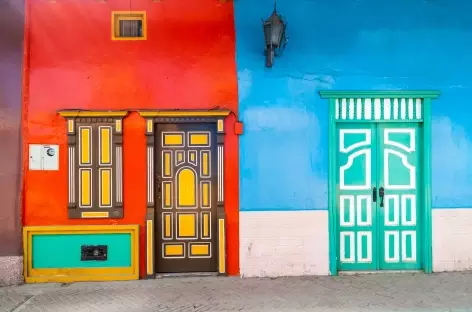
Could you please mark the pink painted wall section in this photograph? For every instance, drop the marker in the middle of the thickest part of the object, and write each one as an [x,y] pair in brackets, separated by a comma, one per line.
[11,55]
[187,62]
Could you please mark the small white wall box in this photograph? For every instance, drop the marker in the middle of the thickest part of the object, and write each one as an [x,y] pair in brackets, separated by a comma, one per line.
[43,157]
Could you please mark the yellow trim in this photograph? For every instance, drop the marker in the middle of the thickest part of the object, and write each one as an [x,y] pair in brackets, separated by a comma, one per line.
[77,277]
[95,214]
[81,113]
[118,124]
[70,126]
[149,243]
[220,125]
[127,15]
[192,113]
[80,271]
[149,125]
[155,113]
[221,245]
[83,274]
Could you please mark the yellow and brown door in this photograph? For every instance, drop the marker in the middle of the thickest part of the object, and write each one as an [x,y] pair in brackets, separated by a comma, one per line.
[186,198]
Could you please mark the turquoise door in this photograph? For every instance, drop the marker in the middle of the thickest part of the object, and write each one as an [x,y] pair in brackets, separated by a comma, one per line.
[378,201]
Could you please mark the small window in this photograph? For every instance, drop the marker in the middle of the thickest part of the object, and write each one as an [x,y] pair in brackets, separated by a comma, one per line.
[95,156]
[129,25]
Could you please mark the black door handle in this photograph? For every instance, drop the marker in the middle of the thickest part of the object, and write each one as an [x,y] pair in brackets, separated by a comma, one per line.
[158,182]
[374,194]
[381,194]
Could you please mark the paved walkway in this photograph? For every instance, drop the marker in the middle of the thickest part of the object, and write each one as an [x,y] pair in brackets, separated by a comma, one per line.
[405,292]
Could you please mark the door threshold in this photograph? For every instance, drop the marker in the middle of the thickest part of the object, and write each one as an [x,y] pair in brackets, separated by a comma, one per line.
[380,272]
[190,274]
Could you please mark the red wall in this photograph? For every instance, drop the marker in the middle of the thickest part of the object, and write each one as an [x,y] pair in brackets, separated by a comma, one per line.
[187,62]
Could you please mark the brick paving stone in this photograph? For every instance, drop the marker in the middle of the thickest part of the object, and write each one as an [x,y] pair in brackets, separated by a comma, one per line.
[8,302]
[371,293]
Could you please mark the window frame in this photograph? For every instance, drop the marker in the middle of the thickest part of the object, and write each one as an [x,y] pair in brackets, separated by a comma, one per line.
[95,120]
[117,16]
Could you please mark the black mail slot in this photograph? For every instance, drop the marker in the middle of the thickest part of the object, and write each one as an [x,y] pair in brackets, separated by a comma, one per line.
[94,252]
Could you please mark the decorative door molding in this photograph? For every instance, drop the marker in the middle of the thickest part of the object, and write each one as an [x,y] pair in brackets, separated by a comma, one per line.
[95,148]
[153,117]
[380,106]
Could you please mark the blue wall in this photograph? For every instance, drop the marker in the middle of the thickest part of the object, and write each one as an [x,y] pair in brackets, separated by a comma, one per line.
[342,44]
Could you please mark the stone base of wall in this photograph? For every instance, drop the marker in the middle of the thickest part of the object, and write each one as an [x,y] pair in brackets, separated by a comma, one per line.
[11,270]
[452,237]
[284,243]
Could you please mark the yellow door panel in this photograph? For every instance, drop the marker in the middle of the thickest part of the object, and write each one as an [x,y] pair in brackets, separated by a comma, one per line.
[85,145]
[173,250]
[85,187]
[105,187]
[199,250]
[173,139]
[186,185]
[205,164]
[205,193]
[187,225]
[206,225]
[167,190]
[199,138]
[167,164]
[167,226]
[105,138]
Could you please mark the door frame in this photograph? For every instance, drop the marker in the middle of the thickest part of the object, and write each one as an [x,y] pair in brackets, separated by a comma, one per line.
[426,97]
[153,117]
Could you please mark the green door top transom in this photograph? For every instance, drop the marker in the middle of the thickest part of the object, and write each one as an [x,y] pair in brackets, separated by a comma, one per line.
[378,106]
[333,94]
[378,109]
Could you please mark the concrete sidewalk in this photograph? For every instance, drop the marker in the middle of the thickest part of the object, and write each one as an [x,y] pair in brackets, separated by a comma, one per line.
[401,292]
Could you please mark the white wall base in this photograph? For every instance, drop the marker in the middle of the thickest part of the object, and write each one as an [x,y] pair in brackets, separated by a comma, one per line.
[284,243]
[452,239]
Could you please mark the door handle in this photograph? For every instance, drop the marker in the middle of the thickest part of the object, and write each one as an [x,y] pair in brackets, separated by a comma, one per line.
[374,194]
[158,182]
[381,195]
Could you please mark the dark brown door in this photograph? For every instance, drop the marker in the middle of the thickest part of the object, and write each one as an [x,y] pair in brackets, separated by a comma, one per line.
[186,173]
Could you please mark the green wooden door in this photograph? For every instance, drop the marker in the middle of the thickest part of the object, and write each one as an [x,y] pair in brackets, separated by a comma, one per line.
[378,232]
[399,216]
[357,173]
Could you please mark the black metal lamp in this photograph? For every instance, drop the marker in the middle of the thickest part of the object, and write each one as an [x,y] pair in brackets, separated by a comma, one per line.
[274,35]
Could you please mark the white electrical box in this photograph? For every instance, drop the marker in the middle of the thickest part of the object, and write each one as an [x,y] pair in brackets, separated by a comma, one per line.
[43,157]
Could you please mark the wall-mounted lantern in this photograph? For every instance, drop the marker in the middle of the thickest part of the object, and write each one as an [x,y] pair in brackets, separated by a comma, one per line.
[274,35]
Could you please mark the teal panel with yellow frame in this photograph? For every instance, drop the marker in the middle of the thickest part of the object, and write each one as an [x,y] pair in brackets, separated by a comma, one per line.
[53,253]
